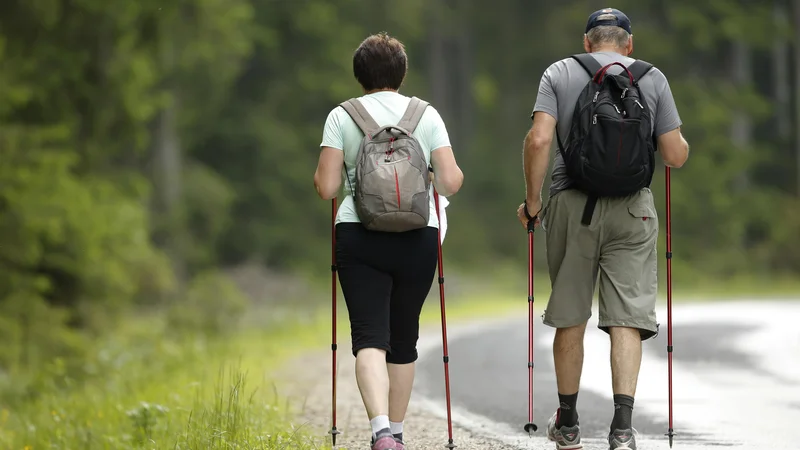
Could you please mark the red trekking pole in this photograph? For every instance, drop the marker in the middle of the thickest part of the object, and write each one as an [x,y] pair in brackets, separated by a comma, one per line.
[445,357]
[530,427]
[333,431]
[669,304]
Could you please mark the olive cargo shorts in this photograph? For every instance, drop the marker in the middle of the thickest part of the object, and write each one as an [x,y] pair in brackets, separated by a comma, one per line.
[619,244]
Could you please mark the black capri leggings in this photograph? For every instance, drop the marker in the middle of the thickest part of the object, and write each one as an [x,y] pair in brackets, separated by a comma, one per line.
[385,278]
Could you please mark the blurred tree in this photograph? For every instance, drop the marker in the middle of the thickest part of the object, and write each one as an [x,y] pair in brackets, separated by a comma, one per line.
[84,82]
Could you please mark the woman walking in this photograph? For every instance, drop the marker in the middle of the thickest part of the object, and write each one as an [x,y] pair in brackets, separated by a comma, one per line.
[385,275]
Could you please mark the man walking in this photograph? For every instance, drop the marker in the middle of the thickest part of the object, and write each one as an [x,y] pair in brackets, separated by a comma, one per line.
[589,232]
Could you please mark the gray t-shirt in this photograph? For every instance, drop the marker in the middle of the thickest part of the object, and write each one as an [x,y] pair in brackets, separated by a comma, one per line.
[562,84]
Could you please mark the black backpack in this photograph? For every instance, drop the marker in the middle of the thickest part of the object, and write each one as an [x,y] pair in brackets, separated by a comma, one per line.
[611,150]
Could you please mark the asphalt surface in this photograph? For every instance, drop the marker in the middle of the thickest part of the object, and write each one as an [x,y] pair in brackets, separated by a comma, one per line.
[736,378]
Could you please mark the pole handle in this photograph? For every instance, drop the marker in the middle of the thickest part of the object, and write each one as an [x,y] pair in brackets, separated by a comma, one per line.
[531,219]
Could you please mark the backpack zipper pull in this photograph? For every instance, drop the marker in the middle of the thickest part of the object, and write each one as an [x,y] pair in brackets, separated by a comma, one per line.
[594,119]
[624,91]
[618,111]
[640,105]
[391,150]
[596,94]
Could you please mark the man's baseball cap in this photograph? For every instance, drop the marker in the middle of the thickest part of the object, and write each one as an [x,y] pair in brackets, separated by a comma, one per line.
[619,20]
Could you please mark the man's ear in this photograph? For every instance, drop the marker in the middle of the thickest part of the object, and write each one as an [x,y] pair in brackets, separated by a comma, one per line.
[587,46]
[630,46]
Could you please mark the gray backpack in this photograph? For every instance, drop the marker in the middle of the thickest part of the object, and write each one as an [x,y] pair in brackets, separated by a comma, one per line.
[392,181]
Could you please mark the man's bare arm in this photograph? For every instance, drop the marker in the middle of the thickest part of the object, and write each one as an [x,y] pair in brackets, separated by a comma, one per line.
[673,148]
[536,155]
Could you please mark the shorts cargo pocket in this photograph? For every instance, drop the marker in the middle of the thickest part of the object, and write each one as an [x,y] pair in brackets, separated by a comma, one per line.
[644,212]
[643,224]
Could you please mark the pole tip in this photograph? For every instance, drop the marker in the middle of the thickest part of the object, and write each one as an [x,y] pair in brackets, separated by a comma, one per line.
[450,444]
[531,427]
[671,434]
[333,434]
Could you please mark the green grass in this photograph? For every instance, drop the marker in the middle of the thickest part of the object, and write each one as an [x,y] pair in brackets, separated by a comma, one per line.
[733,289]
[153,392]
[507,284]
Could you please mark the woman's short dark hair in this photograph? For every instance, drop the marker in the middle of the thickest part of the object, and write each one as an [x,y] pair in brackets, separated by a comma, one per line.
[380,62]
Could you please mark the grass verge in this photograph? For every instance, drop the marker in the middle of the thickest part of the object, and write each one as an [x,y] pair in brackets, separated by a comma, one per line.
[151,390]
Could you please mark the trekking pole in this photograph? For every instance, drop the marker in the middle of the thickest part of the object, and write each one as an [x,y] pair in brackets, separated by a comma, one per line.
[669,303]
[530,427]
[333,431]
[445,357]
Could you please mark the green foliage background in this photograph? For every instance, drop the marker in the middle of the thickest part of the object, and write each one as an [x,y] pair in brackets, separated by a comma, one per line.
[145,146]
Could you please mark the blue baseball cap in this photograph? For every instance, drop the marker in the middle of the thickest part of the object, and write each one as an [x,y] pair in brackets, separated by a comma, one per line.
[619,20]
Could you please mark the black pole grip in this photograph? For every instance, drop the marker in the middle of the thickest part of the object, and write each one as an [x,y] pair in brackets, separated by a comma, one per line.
[531,219]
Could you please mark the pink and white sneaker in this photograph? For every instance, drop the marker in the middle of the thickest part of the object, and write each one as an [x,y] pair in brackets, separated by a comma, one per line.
[386,442]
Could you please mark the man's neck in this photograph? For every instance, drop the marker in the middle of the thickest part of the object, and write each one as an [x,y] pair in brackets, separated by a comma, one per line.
[622,52]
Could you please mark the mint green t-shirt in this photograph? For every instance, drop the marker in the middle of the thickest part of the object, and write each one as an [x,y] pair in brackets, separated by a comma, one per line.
[386,108]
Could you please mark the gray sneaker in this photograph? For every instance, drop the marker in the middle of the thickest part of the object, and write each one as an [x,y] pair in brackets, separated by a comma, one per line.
[566,438]
[622,439]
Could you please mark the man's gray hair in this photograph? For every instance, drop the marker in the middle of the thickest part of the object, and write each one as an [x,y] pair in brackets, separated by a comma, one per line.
[608,34]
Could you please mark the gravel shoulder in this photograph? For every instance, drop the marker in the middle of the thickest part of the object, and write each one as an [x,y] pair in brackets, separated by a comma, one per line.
[306,381]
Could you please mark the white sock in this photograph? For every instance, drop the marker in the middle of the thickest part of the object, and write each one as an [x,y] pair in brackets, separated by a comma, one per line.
[397,427]
[379,423]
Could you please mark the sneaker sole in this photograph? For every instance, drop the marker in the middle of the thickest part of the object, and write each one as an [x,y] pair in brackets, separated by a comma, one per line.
[568,447]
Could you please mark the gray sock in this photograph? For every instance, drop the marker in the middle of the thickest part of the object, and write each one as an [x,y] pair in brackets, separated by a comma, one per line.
[383,433]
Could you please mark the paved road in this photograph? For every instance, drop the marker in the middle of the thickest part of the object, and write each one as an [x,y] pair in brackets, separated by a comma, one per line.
[736,378]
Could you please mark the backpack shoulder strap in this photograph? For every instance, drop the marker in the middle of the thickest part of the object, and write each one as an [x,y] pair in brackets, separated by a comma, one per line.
[588,63]
[639,69]
[413,114]
[360,116]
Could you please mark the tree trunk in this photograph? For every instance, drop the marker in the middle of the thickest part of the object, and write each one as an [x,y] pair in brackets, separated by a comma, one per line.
[167,165]
[780,60]
[464,99]
[742,125]
[796,28]
[437,58]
